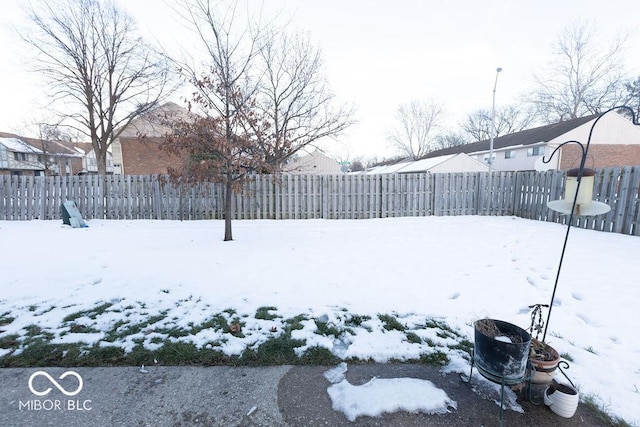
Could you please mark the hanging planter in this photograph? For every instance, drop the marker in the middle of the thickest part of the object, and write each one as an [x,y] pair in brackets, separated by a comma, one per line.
[562,399]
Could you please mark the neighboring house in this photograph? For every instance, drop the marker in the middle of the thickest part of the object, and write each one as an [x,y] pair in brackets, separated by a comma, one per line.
[34,157]
[615,142]
[137,150]
[89,160]
[442,164]
[17,157]
[314,163]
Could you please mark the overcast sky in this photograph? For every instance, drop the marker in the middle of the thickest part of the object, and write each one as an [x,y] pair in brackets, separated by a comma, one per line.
[380,53]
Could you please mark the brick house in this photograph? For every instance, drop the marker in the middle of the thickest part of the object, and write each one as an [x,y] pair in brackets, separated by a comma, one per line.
[137,150]
[615,142]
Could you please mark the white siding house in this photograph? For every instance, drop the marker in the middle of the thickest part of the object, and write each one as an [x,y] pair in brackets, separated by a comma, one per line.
[314,163]
[442,164]
[17,156]
[615,142]
[446,164]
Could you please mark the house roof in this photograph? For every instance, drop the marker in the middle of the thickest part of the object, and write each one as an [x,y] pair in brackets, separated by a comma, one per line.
[525,137]
[388,168]
[34,145]
[425,164]
[18,145]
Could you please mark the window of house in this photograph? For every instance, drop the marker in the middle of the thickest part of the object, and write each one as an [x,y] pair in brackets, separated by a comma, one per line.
[19,156]
[37,173]
[485,158]
[510,154]
[535,151]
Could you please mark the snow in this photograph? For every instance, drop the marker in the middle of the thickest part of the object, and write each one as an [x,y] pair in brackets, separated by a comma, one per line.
[15,144]
[385,395]
[452,269]
[389,395]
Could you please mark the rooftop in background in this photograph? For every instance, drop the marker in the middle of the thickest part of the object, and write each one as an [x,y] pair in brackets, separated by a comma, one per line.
[526,137]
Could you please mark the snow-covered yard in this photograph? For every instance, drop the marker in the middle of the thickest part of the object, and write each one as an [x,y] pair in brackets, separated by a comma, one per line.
[78,284]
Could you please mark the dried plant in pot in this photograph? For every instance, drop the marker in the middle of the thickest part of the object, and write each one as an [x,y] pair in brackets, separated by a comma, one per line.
[501,351]
[543,358]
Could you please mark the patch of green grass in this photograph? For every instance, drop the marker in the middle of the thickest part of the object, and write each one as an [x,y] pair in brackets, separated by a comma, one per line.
[99,356]
[439,324]
[35,334]
[121,329]
[603,414]
[413,337]
[36,348]
[53,307]
[112,334]
[180,354]
[390,323]
[275,351]
[38,353]
[174,332]
[5,319]
[356,320]
[9,341]
[33,330]
[566,356]
[295,323]
[326,330]
[264,313]
[435,358]
[591,350]
[318,356]
[92,313]
[464,345]
[76,328]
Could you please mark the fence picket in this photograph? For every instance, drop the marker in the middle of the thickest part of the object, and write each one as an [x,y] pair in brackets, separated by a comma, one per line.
[523,194]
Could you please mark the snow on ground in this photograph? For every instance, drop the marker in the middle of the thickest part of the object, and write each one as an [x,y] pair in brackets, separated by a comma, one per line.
[379,396]
[457,269]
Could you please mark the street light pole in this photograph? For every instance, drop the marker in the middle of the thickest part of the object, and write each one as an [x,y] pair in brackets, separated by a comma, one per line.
[493,121]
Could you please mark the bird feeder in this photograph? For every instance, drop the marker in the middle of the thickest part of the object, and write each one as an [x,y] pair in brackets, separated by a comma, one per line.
[579,189]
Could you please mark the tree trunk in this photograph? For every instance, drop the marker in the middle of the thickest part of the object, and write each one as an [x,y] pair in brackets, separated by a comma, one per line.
[227,207]
[101,160]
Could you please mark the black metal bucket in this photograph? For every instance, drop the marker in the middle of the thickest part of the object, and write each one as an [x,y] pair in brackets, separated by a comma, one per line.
[498,360]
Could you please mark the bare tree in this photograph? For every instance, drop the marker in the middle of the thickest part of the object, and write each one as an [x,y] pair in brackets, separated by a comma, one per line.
[583,77]
[295,98]
[418,123]
[633,95]
[225,94]
[450,139]
[479,127]
[54,157]
[99,70]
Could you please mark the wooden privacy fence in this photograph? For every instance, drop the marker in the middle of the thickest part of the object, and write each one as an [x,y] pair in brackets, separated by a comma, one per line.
[357,196]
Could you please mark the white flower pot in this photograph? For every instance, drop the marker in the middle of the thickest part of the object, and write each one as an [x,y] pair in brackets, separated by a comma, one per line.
[563,400]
